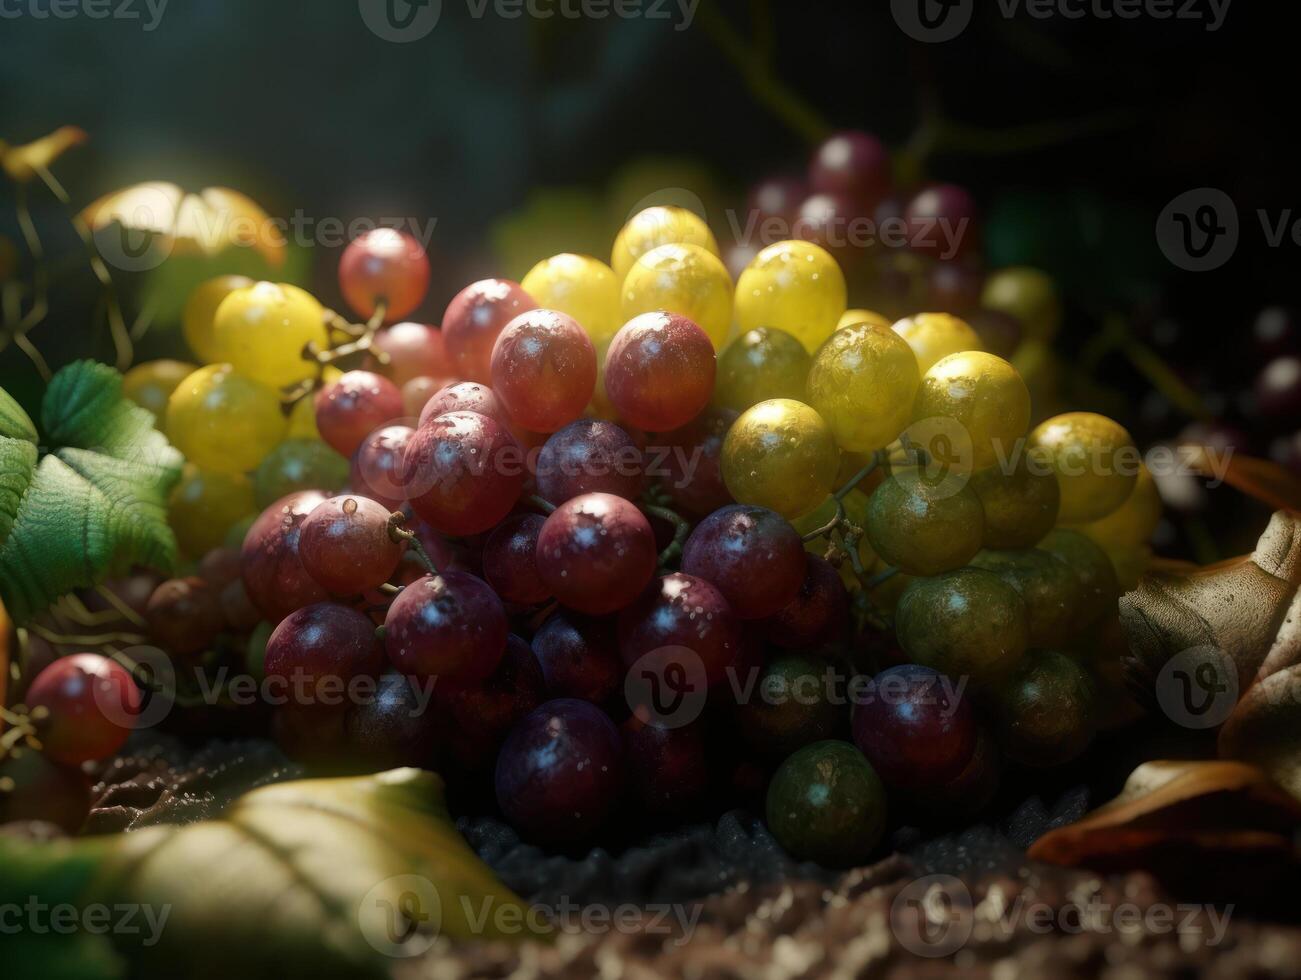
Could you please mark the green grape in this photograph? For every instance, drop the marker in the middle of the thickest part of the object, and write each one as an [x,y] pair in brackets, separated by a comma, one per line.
[256,653]
[779,454]
[661,225]
[985,396]
[793,286]
[685,279]
[261,331]
[964,623]
[298,464]
[790,707]
[856,504]
[851,318]
[150,384]
[581,286]
[204,506]
[826,804]
[199,318]
[1099,589]
[1051,591]
[1030,296]
[1131,524]
[933,336]
[925,528]
[760,364]
[1045,711]
[863,382]
[1095,460]
[1020,505]
[223,421]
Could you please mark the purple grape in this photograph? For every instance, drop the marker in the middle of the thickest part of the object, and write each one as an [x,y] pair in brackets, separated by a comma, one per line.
[667,769]
[344,543]
[1278,389]
[590,456]
[852,163]
[777,197]
[323,645]
[482,714]
[579,657]
[560,772]
[692,468]
[750,554]
[681,610]
[596,553]
[398,726]
[510,560]
[1275,331]
[819,612]
[376,469]
[450,626]
[942,222]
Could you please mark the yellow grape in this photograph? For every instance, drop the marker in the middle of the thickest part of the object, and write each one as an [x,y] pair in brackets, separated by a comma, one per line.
[262,329]
[793,286]
[584,287]
[780,454]
[758,365]
[1020,503]
[863,382]
[985,396]
[199,318]
[205,505]
[1030,296]
[223,421]
[661,225]
[934,336]
[1094,458]
[1131,524]
[853,317]
[683,279]
[150,384]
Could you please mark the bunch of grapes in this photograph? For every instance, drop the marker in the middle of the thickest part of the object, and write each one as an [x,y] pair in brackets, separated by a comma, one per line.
[626,535]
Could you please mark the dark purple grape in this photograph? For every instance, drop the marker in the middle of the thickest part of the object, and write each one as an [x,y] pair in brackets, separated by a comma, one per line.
[1278,389]
[237,608]
[750,554]
[828,220]
[690,461]
[1286,451]
[510,562]
[777,198]
[968,793]
[1275,332]
[590,456]
[219,567]
[269,563]
[1000,332]
[482,714]
[312,734]
[318,650]
[560,772]
[679,610]
[397,726]
[667,771]
[350,409]
[915,728]
[955,287]
[376,469]
[184,616]
[579,657]
[852,163]
[450,626]
[344,543]
[819,613]
[596,553]
[942,222]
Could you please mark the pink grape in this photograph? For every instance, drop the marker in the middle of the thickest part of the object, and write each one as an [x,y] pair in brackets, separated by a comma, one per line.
[270,565]
[413,350]
[463,473]
[354,406]
[474,318]
[596,553]
[377,465]
[451,626]
[384,265]
[659,371]
[465,396]
[345,545]
[544,369]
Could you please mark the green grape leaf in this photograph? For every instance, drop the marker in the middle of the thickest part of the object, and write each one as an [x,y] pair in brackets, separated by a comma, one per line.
[312,878]
[95,504]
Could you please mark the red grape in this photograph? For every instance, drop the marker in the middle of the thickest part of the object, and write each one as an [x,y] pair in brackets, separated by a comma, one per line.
[219,566]
[852,163]
[941,222]
[417,392]
[659,371]
[917,732]
[463,472]
[345,544]
[413,349]
[590,456]
[667,769]
[84,707]
[384,265]
[579,657]
[322,645]
[450,626]
[544,369]
[596,553]
[272,570]
[679,610]
[398,726]
[510,560]
[350,409]
[817,614]
[560,771]
[184,615]
[750,554]
[377,465]
[693,475]
[482,714]
[465,396]
[474,318]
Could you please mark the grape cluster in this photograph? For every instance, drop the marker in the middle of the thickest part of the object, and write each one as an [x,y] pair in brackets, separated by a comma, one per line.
[633,532]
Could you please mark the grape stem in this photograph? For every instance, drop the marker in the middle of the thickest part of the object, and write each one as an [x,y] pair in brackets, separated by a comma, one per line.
[860,476]
[399,533]
[838,519]
[542,504]
[884,575]
[830,526]
[681,528]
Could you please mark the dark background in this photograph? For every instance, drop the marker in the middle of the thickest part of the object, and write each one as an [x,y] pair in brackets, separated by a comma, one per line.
[1073,134]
